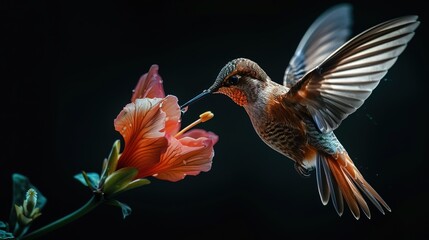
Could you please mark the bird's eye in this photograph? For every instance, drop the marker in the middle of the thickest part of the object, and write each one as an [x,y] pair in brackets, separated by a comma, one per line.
[233,80]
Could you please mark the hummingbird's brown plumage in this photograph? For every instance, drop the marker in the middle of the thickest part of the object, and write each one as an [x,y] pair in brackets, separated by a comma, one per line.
[326,80]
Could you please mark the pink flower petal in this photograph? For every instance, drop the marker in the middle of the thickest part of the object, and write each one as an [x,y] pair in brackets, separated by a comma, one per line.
[144,155]
[180,160]
[172,109]
[200,133]
[142,126]
[149,85]
[141,119]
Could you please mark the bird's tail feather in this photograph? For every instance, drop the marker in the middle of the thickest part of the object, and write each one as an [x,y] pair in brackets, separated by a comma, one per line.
[338,179]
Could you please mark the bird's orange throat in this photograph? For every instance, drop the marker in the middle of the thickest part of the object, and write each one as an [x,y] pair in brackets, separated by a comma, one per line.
[235,94]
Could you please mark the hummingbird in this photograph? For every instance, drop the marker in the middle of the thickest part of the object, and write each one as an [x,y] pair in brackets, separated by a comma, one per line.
[328,78]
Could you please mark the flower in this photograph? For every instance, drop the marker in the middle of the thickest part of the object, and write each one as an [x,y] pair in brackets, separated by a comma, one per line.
[153,144]
[28,211]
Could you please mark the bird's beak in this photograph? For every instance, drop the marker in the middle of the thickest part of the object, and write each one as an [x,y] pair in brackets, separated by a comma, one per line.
[196,98]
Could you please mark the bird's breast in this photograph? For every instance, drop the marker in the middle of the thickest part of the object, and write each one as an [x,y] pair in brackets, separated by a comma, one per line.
[280,129]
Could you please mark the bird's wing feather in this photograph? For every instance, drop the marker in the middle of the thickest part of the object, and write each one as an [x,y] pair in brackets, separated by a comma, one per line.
[324,36]
[345,79]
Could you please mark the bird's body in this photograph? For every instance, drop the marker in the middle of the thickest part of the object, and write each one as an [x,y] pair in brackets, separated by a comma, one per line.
[287,127]
[327,79]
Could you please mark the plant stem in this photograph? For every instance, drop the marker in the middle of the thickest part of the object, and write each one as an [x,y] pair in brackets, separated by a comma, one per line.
[90,205]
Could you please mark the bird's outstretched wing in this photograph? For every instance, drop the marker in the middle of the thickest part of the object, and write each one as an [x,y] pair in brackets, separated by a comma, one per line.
[345,79]
[328,32]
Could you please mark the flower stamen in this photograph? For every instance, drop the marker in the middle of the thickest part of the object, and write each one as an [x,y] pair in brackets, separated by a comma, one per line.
[204,117]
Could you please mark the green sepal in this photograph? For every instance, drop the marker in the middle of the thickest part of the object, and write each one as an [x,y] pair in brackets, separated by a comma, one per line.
[110,164]
[126,210]
[90,180]
[112,161]
[135,184]
[118,180]
[22,219]
[21,184]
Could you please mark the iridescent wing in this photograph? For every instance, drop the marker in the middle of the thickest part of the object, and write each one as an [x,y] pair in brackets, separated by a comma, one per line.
[345,79]
[328,32]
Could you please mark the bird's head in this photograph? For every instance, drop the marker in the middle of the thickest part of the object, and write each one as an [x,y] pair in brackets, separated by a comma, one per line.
[240,79]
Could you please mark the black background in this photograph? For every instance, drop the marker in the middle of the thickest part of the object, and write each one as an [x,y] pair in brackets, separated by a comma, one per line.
[70,67]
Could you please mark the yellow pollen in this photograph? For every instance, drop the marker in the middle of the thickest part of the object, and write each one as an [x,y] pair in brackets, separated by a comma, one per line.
[206,116]
[203,118]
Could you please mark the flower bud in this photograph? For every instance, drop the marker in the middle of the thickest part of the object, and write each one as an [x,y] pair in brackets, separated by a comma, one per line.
[28,212]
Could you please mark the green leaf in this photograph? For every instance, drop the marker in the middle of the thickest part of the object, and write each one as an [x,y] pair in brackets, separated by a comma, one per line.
[88,179]
[119,179]
[126,210]
[21,184]
[3,225]
[6,235]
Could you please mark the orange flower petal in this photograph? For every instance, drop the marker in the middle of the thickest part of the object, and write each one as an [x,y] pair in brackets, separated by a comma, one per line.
[180,160]
[172,110]
[149,85]
[198,133]
[141,119]
[143,156]
[142,126]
